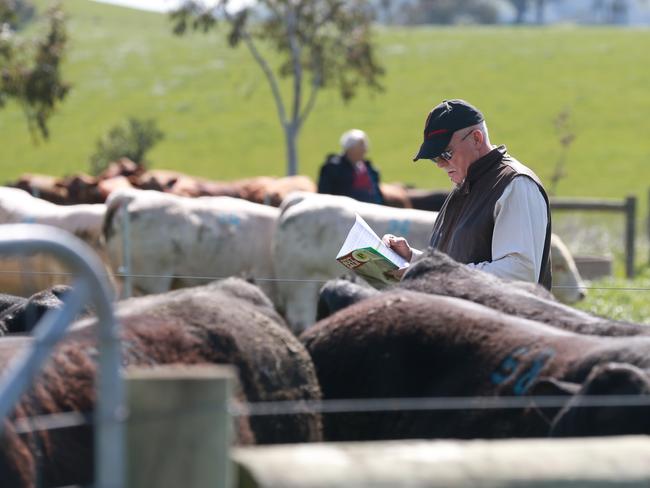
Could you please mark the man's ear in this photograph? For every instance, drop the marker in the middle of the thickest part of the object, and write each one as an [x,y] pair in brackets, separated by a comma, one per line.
[478,136]
[551,387]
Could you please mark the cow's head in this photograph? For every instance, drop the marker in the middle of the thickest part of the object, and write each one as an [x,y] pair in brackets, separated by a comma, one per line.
[568,286]
[611,383]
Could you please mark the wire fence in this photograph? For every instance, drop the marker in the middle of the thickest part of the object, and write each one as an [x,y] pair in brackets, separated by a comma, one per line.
[340,406]
[63,420]
[73,419]
[25,426]
[268,279]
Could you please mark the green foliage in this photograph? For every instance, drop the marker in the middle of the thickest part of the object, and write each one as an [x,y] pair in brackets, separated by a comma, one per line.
[620,299]
[327,41]
[16,13]
[131,139]
[30,68]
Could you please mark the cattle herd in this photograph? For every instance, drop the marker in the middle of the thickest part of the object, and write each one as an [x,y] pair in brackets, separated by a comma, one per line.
[225,279]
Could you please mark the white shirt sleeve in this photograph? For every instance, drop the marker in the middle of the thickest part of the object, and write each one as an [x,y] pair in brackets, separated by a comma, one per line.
[520,220]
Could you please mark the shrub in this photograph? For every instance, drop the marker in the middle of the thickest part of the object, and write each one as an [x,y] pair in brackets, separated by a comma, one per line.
[131,139]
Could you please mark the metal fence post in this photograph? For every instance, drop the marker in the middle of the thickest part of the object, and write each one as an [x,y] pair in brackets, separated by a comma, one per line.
[21,239]
[627,206]
[125,268]
[630,231]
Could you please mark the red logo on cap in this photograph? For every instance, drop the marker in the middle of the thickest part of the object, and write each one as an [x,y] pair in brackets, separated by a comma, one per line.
[434,132]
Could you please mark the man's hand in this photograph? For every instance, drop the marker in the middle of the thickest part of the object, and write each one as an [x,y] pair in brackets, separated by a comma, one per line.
[399,245]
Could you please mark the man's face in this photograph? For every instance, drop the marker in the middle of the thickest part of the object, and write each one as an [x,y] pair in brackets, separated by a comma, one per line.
[462,148]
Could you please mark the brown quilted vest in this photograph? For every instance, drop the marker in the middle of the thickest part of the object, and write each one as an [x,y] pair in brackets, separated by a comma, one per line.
[465,224]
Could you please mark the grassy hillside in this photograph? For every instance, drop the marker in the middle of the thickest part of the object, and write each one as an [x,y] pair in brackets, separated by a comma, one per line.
[220,121]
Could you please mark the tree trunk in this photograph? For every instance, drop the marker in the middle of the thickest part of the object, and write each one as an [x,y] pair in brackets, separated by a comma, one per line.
[291,136]
[520,7]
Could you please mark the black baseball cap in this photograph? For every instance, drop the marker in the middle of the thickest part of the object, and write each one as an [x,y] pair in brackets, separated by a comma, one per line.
[443,120]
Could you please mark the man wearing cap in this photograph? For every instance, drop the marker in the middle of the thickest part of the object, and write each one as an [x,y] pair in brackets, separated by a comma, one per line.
[497,218]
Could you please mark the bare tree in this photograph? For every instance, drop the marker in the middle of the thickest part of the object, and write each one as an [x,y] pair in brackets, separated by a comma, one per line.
[321,43]
[30,69]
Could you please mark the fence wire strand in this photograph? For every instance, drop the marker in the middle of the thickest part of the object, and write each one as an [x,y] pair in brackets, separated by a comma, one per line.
[341,406]
[282,280]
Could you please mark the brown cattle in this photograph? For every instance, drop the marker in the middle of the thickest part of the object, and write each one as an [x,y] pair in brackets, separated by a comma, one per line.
[121,167]
[108,186]
[184,185]
[427,199]
[82,188]
[159,180]
[124,173]
[395,195]
[271,191]
[229,322]
[42,186]
[403,344]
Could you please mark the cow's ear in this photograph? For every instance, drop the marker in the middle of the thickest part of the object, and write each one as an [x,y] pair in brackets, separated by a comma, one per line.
[616,382]
[551,387]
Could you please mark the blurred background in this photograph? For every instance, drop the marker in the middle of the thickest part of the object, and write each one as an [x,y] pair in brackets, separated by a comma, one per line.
[564,84]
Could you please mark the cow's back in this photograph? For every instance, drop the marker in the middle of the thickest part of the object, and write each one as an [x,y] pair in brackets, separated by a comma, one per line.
[188,241]
[309,234]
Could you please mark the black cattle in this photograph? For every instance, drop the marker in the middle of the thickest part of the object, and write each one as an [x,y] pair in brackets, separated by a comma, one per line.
[8,301]
[402,344]
[24,313]
[427,199]
[578,419]
[231,322]
[340,293]
[437,273]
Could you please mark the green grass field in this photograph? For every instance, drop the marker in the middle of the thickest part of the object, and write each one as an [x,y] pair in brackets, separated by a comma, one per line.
[220,122]
[620,299]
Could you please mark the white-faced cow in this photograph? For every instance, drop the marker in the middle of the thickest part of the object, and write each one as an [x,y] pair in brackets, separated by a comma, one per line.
[27,275]
[309,234]
[312,228]
[178,241]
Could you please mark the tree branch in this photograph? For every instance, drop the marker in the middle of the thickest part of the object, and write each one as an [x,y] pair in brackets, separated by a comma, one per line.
[275,89]
[315,87]
[297,66]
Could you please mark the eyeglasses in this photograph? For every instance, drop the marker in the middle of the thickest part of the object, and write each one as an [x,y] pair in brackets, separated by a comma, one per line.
[449,153]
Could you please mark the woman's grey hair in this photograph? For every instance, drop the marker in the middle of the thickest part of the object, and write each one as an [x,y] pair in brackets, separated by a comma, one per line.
[352,137]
